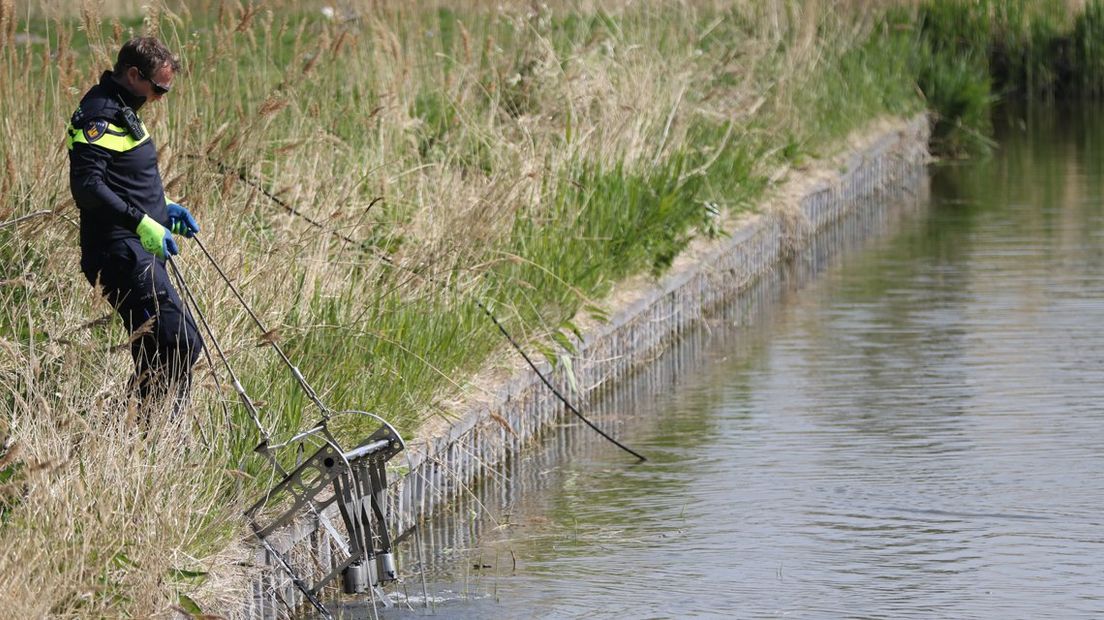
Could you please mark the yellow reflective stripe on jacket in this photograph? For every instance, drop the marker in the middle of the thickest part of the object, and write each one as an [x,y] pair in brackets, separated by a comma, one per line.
[114,139]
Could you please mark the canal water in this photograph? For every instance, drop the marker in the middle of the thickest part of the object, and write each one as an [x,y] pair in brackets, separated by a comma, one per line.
[905,422]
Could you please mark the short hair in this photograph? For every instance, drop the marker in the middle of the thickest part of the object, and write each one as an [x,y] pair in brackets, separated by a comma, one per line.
[147,54]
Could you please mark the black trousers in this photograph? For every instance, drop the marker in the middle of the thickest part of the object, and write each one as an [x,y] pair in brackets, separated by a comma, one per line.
[164,340]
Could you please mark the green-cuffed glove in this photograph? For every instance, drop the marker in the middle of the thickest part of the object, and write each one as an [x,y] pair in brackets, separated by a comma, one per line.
[155,238]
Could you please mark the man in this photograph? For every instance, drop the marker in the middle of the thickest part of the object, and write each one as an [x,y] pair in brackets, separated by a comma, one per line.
[127,223]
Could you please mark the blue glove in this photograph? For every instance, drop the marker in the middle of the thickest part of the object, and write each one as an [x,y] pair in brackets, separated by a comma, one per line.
[181,221]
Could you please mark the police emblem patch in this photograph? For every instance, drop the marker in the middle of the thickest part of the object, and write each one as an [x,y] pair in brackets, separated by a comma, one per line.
[95,130]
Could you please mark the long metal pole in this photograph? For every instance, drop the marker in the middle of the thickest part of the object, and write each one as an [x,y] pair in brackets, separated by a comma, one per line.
[218,348]
[287,361]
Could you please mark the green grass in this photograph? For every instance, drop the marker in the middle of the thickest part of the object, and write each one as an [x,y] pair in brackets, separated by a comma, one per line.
[1087,50]
[967,56]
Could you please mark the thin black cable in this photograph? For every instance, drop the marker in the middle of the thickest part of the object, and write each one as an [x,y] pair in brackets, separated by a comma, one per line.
[547,383]
[188,309]
[388,260]
[517,347]
[244,178]
[222,355]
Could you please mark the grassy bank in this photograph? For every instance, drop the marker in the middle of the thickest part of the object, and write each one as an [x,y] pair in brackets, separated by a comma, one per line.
[527,156]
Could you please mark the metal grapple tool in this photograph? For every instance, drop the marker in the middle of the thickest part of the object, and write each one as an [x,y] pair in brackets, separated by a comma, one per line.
[355,479]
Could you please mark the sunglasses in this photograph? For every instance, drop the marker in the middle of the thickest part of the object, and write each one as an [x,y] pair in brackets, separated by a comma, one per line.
[160,89]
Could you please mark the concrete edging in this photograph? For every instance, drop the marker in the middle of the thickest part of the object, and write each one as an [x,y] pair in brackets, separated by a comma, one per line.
[893,163]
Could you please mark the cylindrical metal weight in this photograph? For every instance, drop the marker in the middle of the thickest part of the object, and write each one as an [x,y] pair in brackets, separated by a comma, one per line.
[386,566]
[354,579]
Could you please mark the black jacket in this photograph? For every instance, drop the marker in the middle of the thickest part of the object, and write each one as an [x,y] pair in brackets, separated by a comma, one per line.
[113,174]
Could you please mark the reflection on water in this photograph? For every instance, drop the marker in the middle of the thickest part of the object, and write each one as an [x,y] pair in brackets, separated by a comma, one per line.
[915,432]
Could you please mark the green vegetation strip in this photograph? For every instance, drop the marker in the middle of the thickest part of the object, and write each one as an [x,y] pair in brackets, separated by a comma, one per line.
[529,157]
